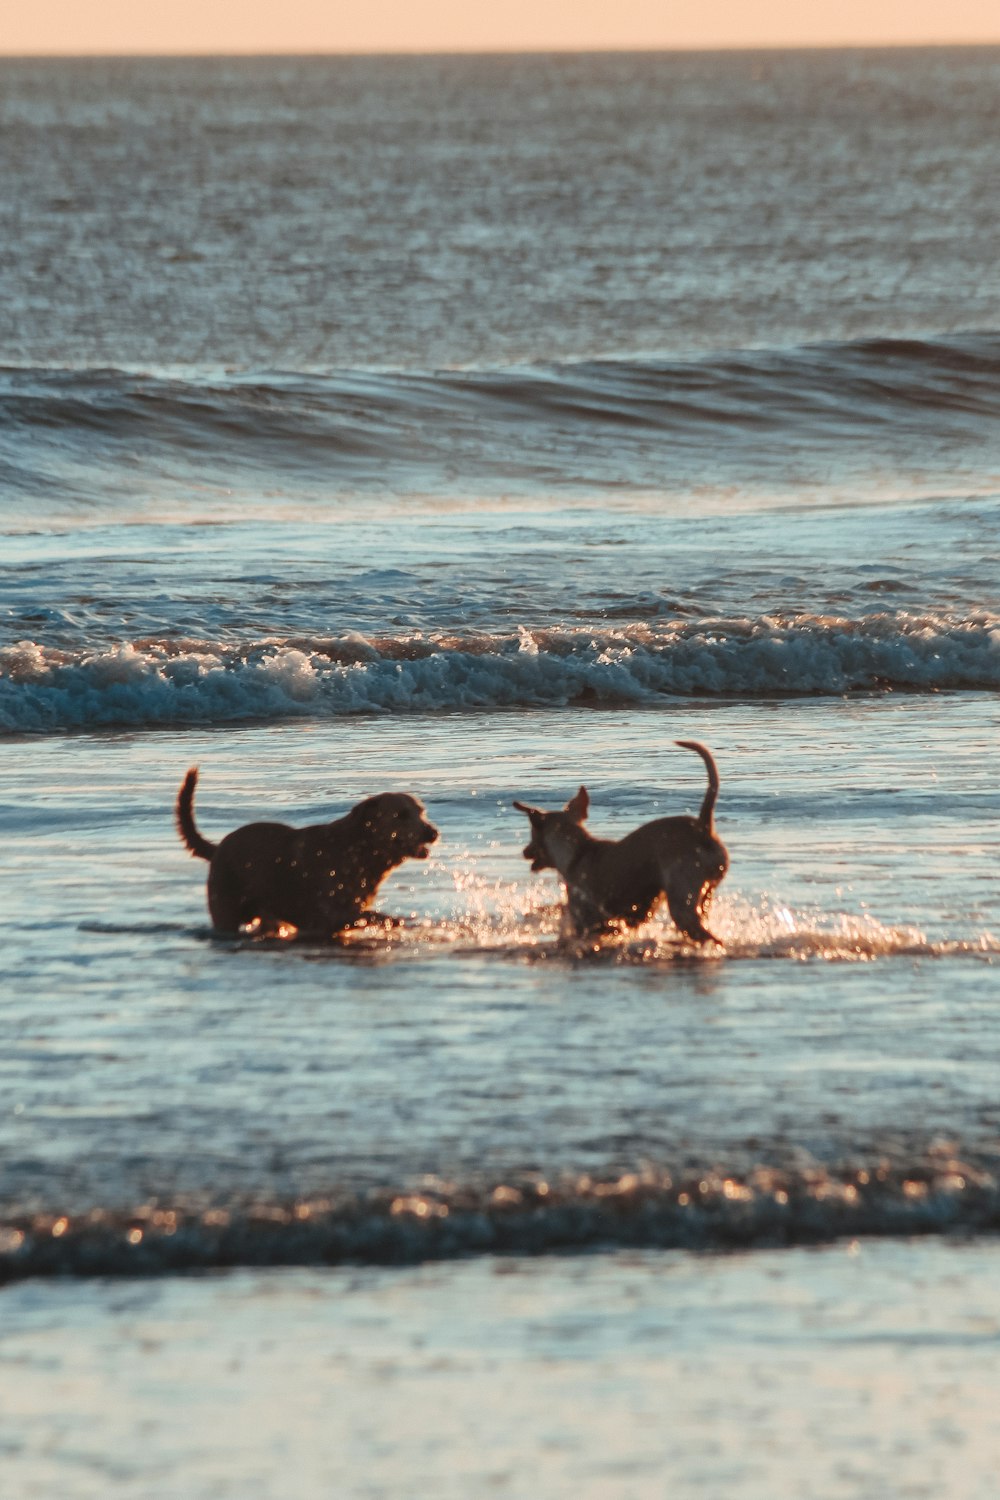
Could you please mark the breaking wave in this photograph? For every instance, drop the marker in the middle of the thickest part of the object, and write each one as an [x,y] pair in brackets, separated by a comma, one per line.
[149,682]
[931,1191]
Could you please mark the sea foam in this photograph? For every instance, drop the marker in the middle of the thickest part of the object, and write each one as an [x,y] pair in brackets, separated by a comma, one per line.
[198,681]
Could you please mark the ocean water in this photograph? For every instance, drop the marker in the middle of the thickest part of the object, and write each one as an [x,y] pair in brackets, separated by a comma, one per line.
[478,427]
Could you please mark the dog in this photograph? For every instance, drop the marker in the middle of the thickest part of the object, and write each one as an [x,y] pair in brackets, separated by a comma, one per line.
[610,882]
[269,879]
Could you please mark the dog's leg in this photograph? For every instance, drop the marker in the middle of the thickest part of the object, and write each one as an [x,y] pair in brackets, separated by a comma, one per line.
[686,904]
[585,917]
[235,898]
[270,928]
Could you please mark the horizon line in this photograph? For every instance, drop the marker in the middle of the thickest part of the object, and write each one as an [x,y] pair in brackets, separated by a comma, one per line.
[500,51]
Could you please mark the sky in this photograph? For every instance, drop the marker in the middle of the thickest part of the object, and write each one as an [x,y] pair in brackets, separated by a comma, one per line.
[122,26]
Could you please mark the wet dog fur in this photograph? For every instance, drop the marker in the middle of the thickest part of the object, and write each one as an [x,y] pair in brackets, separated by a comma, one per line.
[268,878]
[610,882]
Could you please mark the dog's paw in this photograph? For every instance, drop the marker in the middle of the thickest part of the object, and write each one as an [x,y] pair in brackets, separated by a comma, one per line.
[369,919]
[263,928]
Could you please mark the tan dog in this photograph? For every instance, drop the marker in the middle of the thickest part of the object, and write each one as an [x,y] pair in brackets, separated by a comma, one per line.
[274,880]
[612,881]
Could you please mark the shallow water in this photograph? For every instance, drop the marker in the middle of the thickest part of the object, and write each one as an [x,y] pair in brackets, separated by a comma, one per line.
[867,1370]
[851,1012]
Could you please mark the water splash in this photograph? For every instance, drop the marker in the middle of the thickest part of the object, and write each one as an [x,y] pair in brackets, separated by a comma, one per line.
[520,923]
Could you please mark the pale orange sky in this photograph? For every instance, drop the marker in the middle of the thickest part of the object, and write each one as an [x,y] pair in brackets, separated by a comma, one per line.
[99,26]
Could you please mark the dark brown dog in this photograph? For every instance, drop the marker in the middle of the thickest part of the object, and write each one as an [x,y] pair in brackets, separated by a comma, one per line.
[275,880]
[612,881]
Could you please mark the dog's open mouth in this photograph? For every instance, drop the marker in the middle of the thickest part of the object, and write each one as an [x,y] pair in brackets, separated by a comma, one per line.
[423,849]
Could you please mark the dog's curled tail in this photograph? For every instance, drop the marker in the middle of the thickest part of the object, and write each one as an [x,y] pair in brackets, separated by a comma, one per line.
[712,790]
[184,815]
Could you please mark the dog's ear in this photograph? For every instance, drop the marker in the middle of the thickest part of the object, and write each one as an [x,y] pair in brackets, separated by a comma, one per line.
[577,807]
[534,813]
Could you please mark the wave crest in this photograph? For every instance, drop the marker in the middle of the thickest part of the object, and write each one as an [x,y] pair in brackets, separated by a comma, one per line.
[196,681]
[933,1191]
[600,421]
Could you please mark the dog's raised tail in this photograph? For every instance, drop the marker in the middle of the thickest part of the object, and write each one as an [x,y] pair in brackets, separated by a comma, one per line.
[712,790]
[184,816]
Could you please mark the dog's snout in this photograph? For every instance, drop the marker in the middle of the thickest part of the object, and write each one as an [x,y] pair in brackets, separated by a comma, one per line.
[429,833]
[535,853]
